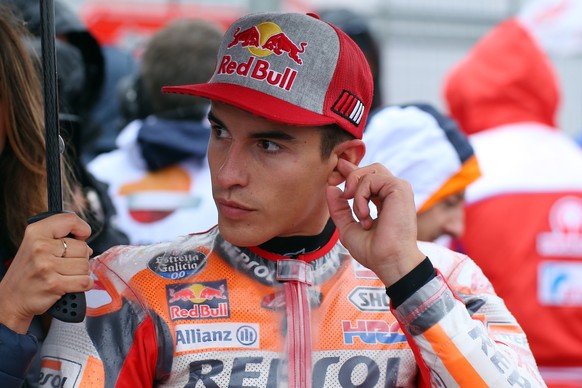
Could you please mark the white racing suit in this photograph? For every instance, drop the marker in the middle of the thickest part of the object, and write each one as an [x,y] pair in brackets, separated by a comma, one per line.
[200,312]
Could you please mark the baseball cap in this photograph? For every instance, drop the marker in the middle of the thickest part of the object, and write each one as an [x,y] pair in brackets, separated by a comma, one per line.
[290,68]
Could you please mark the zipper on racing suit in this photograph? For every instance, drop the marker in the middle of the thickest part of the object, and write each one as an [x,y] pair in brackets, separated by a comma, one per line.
[297,277]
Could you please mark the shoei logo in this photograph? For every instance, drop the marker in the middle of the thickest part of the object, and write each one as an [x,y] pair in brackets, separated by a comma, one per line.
[267,38]
[565,238]
[370,299]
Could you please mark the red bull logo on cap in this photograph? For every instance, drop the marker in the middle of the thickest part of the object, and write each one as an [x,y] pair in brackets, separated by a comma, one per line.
[198,300]
[267,38]
[263,40]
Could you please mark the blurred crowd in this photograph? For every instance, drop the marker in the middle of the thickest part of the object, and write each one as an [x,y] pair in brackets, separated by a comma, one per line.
[493,176]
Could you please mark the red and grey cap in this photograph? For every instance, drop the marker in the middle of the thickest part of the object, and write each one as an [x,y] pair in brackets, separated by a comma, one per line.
[290,68]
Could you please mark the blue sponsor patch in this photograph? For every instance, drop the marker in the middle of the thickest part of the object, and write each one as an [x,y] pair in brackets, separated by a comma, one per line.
[560,283]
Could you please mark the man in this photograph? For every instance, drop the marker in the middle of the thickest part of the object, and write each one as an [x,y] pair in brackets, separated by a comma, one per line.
[425,148]
[158,177]
[524,215]
[270,297]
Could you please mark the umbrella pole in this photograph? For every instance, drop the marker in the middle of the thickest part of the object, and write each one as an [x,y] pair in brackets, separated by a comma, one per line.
[71,307]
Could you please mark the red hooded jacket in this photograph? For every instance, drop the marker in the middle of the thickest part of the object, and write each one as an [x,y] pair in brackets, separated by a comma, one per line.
[524,215]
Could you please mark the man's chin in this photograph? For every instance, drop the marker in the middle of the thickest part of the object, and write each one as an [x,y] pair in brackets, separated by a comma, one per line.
[241,235]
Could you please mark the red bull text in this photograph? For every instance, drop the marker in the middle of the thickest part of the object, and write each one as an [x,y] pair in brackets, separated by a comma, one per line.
[258,69]
[198,300]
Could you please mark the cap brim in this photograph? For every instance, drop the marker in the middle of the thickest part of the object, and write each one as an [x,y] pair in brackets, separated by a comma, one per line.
[252,101]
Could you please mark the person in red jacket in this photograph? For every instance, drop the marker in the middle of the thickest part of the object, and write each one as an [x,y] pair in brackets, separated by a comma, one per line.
[524,215]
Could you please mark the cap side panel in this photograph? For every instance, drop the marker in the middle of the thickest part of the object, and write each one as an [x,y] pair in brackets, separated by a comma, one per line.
[353,76]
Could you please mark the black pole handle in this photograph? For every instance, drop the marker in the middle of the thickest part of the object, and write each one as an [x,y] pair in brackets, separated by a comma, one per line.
[72,306]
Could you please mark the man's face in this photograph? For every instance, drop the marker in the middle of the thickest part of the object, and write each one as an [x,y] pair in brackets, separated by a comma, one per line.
[446,217]
[268,179]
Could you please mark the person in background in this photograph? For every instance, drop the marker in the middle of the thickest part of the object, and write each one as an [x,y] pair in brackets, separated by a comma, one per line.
[33,271]
[158,178]
[289,289]
[439,174]
[425,148]
[524,214]
[106,116]
[70,30]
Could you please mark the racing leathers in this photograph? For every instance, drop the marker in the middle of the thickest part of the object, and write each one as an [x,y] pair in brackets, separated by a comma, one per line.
[201,312]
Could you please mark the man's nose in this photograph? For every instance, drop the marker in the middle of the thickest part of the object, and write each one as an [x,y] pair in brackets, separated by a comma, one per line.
[455,225]
[233,169]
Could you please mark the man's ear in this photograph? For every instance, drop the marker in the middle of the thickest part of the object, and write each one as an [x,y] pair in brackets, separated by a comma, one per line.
[353,151]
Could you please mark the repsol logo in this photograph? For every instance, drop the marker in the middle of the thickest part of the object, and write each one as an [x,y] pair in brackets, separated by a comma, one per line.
[58,373]
[264,271]
[341,372]
[52,380]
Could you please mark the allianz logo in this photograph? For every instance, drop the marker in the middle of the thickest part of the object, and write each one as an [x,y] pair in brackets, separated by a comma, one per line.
[219,335]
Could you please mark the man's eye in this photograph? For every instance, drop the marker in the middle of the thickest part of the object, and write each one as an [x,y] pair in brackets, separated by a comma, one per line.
[268,145]
[454,202]
[219,132]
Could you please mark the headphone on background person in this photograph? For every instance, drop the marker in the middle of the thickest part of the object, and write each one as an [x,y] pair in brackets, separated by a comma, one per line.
[134,103]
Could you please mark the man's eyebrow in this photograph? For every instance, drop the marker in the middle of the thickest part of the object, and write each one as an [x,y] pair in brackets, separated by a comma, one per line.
[213,118]
[276,135]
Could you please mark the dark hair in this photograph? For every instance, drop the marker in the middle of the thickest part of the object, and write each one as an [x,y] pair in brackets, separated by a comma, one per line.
[184,52]
[332,135]
[22,161]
